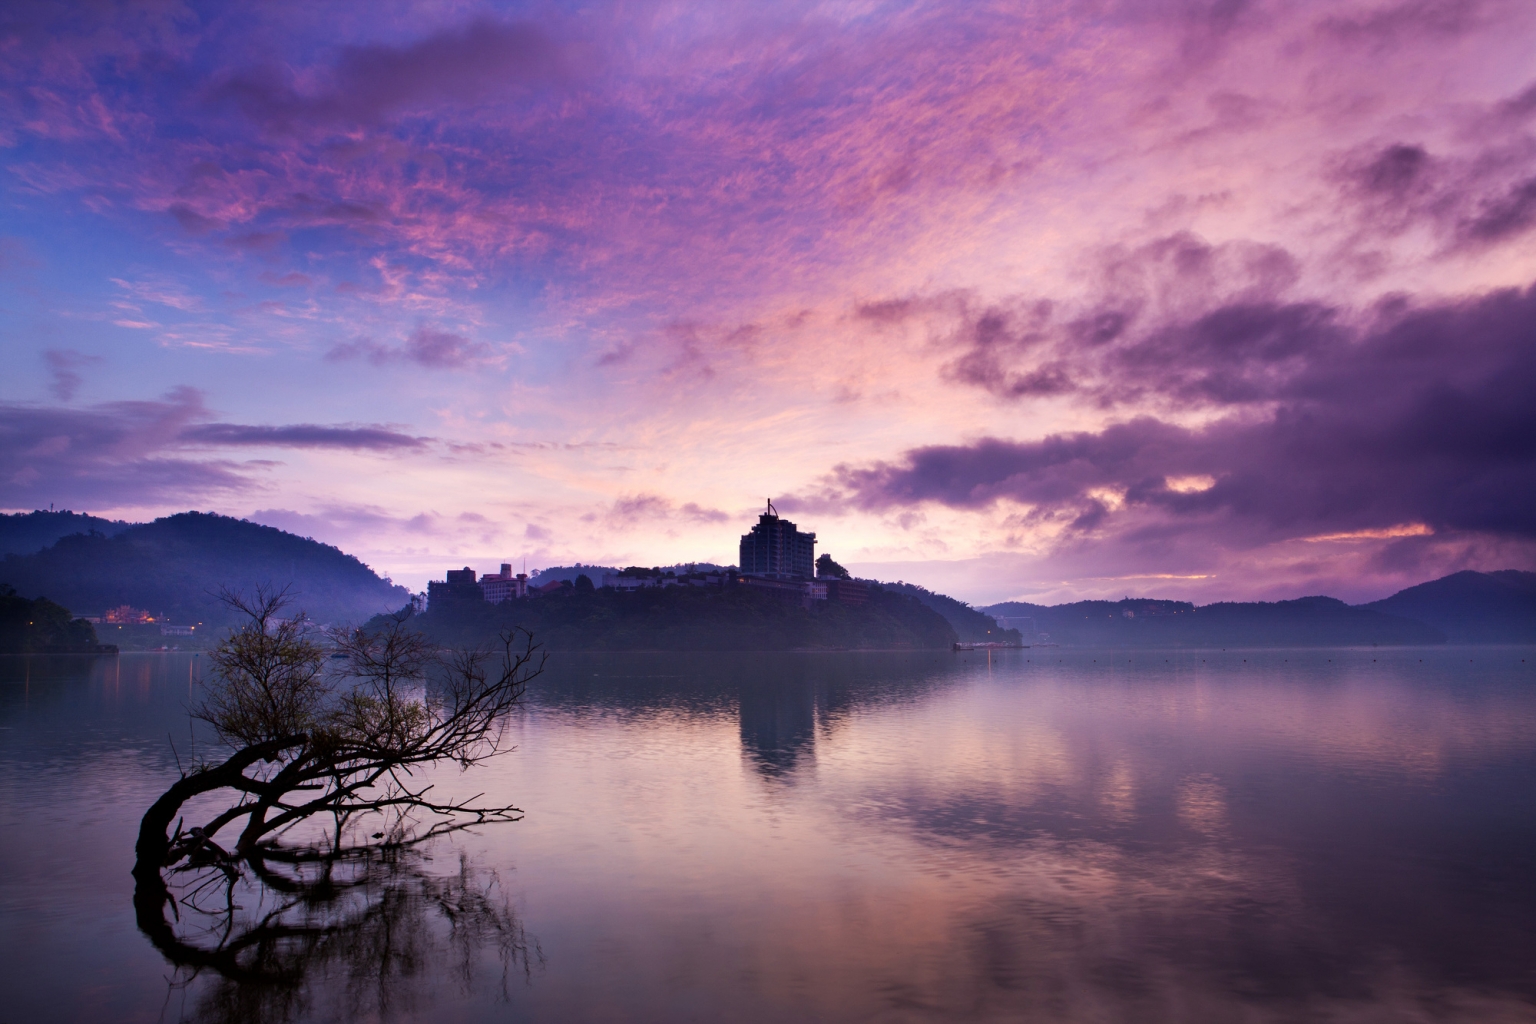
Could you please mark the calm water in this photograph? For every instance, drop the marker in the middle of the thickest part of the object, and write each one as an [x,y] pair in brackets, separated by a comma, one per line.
[1045,835]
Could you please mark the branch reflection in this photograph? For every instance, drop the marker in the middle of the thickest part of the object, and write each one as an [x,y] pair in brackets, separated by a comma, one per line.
[362,937]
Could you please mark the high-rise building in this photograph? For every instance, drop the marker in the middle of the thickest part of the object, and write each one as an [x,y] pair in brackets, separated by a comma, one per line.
[774,548]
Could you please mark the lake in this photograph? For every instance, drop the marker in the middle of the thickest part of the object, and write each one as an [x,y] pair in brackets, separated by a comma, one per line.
[1047,834]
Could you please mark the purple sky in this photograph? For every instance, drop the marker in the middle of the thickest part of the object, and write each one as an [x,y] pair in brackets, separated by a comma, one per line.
[1211,299]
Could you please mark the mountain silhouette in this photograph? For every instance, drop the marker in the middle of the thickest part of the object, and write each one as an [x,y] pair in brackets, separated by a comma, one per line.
[175,566]
[22,533]
[1472,607]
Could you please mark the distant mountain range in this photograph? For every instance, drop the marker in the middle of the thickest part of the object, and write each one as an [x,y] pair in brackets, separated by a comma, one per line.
[174,567]
[1465,607]
[1472,607]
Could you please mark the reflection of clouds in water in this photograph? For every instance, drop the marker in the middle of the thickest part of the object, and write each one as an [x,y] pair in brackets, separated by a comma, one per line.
[1126,950]
[1117,793]
[1045,930]
[1202,804]
[1034,850]
[1018,847]
[1071,835]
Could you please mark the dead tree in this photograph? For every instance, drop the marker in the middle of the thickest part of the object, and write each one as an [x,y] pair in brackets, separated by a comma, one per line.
[344,746]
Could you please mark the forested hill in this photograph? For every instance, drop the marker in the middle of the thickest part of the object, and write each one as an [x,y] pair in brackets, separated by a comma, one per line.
[738,618]
[1306,622]
[969,624]
[175,566]
[1472,607]
[22,533]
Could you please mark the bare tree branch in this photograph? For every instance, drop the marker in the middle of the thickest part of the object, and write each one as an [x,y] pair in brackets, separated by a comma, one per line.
[345,743]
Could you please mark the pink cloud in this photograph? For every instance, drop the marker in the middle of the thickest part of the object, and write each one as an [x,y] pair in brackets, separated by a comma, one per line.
[690,229]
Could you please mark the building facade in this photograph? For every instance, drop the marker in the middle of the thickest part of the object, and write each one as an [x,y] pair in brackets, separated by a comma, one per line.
[504,586]
[775,549]
[459,586]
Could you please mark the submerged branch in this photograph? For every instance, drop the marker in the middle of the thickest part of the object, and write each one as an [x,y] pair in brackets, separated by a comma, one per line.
[311,742]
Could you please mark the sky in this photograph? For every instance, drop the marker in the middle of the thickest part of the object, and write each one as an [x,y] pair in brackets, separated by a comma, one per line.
[1209,299]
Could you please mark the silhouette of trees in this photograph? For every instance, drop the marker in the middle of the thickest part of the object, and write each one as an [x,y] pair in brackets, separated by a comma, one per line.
[326,762]
[40,626]
[826,568]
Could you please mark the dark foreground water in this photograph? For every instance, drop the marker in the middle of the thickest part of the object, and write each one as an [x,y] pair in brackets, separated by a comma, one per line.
[1043,835]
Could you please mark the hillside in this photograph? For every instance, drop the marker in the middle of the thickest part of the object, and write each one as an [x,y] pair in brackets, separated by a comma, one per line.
[38,627]
[969,624]
[695,618]
[1472,607]
[174,567]
[1306,622]
[23,533]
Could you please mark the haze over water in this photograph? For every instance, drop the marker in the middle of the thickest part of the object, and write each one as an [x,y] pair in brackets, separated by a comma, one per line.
[1052,835]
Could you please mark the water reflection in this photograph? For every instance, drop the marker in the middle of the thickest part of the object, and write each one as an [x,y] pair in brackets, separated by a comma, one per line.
[780,702]
[1207,837]
[778,726]
[364,938]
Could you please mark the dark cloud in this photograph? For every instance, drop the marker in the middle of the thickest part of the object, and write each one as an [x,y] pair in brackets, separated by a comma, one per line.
[301,435]
[1426,417]
[700,514]
[1395,170]
[1235,354]
[107,455]
[1502,216]
[1177,321]
[369,83]
[640,506]
[1518,108]
[888,311]
[1480,195]
[65,366]
[1391,22]
[425,346]
[997,338]
[137,453]
[442,348]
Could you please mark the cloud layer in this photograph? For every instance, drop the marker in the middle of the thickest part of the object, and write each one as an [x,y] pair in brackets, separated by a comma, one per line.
[1101,286]
[1418,425]
[139,454]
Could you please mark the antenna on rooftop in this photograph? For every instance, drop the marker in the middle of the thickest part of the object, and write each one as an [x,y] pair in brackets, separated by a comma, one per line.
[771,510]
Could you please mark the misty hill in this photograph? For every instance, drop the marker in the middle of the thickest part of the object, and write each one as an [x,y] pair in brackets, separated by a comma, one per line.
[1472,607]
[969,624]
[694,619]
[175,566]
[1306,622]
[22,533]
